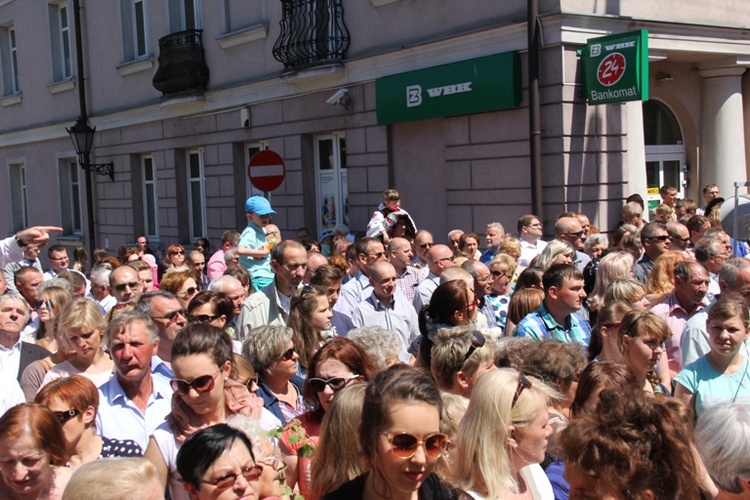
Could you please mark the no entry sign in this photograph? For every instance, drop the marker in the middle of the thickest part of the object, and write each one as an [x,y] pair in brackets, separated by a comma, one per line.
[266,170]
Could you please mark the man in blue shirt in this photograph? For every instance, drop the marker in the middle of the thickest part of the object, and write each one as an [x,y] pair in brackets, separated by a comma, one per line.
[557,318]
[255,255]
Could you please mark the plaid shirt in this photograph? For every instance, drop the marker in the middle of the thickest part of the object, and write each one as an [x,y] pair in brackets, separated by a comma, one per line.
[541,325]
[409,281]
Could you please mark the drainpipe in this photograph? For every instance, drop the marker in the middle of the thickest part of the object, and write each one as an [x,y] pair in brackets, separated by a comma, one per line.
[535,133]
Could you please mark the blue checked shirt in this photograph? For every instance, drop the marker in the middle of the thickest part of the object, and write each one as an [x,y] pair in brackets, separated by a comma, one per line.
[541,325]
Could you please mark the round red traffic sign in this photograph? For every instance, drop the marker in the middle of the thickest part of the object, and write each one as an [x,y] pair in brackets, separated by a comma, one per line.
[266,170]
[611,69]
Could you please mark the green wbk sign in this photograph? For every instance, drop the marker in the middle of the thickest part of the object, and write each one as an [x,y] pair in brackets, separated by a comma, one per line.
[485,84]
[616,68]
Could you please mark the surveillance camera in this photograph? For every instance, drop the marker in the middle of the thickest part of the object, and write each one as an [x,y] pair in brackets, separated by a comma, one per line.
[338,97]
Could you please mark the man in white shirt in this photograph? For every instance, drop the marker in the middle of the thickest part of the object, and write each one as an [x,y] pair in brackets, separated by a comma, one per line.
[16,355]
[58,261]
[529,235]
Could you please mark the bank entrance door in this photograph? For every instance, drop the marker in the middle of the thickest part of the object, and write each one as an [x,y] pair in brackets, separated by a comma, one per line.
[665,152]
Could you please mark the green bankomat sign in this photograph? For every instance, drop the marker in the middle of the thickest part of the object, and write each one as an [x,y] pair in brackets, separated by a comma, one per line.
[485,84]
[616,68]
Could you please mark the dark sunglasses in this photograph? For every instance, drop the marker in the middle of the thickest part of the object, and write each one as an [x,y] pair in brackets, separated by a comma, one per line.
[122,286]
[203,383]
[335,383]
[64,416]
[252,380]
[477,342]
[523,383]
[202,318]
[660,238]
[190,291]
[171,316]
[178,252]
[425,245]
[227,480]
[48,303]
[287,355]
[405,445]
[451,258]
[578,234]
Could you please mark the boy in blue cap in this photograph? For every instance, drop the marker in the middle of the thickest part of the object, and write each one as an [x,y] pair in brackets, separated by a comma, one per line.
[253,247]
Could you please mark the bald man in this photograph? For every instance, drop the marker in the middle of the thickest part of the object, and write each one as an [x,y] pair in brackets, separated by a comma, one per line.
[569,229]
[439,258]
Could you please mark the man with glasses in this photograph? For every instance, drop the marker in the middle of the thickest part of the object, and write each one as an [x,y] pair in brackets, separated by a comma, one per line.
[711,254]
[270,305]
[679,237]
[557,316]
[137,399]
[569,229]
[167,312]
[356,290]
[710,193]
[125,286]
[482,288]
[655,241]
[494,236]
[530,237]
[422,243]
[58,261]
[439,257]
[384,307]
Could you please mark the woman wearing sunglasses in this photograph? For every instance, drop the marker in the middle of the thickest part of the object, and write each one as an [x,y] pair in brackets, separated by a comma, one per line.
[175,257]
[271,352]
[74,401]
[81,328]
[182,284]
[504,430]
[32,454]
[502,268]
[309,316]
[336,365]
[50,302]
[401,439]
[218,463]
[214,308]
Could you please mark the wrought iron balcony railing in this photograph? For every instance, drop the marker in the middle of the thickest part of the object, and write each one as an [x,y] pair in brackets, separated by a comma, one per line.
[312,32]
[182,63]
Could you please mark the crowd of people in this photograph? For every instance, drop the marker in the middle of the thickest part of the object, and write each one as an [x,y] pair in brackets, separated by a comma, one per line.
[387,366]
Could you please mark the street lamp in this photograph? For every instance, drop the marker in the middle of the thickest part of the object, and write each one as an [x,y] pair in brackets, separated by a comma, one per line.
[83,140]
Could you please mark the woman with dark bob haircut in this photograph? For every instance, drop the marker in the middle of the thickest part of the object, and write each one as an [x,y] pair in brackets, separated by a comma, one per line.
[218,458]
[32,454]
[400,439]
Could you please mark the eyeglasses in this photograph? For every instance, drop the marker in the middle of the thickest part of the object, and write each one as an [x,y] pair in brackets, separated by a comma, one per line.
[664,237]
[252,380]
[288,355]
[190,291]
[405,445]
[379,255]
[46,303]
[122,286]
[335,383]
[472,304]
[171,316]
[177,252]
[684,240]
[451,258]
[227,480]
[523,383]
[578,234]
[204,383]
[425,245]
[477,342]
[64,416]
[497,274]
[202,318]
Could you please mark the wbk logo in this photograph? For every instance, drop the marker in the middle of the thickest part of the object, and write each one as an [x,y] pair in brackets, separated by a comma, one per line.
[413,96]
[596,49]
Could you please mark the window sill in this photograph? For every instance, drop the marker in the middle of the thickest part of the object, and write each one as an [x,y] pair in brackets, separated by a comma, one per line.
[329,73]
[135,66]
[63,86]
[380,3]
[70,239]
[246,35]
[11,100]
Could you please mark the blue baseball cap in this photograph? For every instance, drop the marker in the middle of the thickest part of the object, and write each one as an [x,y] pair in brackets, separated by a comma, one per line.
[259,205]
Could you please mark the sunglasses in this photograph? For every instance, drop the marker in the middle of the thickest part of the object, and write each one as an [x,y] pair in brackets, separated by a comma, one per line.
[64,416]
[190,291]
[287,355]
[523,383]
[46,303]
[202,318]
[578,234]
[405,445]
[497,274]
[122,286]
[451,258]
[178,252]
[203,383]
[252,380]
[335,383]
[171,316]
[660,238]
[227,480]
[477,342]
[425,245]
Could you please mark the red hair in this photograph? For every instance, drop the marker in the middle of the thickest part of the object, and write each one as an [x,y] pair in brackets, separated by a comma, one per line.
[41,424]
[76,391]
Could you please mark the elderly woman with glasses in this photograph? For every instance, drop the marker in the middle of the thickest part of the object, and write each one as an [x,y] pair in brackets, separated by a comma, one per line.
[272,353]
[204,395]
[182,284]
[336,365]
[502,268]
[74,401]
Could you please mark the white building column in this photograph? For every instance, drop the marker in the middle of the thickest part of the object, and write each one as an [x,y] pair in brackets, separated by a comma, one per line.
[722,141]
[636,173]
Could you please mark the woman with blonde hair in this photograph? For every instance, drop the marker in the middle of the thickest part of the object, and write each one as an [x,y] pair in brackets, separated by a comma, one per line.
[49,304]
[502,269]
[661,278]
[504,430]
[627,290]
[556,252]
[115,479]
[612,266]
[81,327]
[338,458]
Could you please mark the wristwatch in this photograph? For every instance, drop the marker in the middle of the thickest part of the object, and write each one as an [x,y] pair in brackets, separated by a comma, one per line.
[20,243]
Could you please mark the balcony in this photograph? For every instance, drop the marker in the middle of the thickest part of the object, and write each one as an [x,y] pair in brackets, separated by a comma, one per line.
[182,63]
[312,33]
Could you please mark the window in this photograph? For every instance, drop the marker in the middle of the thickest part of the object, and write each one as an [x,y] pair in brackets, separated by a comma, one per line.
[196,194]
[9,60]
[150,198]
[133,15]
[70,196]
[250,149]
[184,15]
[62,67]
[332,190]
[18,198]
